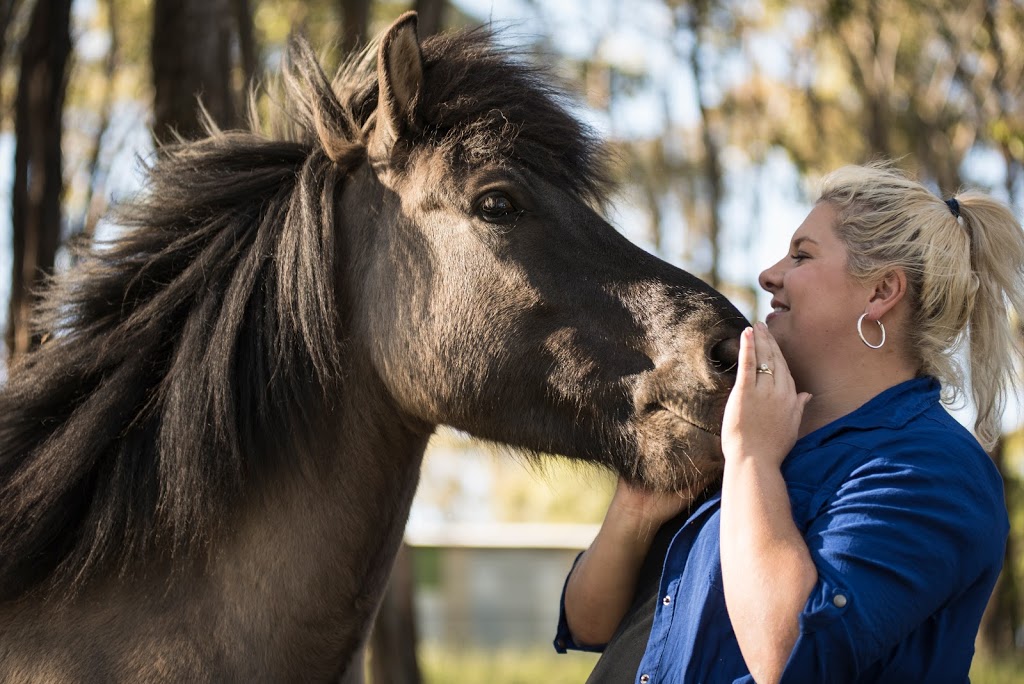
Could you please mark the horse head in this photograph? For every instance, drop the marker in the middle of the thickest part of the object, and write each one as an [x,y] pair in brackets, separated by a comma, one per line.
[488,294]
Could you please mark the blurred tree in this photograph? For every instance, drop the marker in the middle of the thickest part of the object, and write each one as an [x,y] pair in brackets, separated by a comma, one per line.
[191,58]
[107,108]
[924,83]
[693,19]
[38,160]
[355,24]
[1003,25]
[8,10]
[997,634]
[431,16]
[394,641]
[248,47]
[95,201]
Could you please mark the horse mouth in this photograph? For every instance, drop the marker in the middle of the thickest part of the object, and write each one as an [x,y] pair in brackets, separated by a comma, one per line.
[678,412]
[677,449]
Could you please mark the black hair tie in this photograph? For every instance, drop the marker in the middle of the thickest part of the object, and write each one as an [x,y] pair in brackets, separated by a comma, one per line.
[954,206]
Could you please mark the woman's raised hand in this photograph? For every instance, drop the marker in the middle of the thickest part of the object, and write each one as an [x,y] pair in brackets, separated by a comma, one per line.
[646,510]
[762,416]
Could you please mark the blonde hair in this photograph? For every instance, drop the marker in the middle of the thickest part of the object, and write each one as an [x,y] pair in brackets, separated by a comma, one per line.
[962,272]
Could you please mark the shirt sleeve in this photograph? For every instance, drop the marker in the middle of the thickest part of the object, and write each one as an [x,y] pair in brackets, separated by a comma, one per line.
[563,637]
[889,549]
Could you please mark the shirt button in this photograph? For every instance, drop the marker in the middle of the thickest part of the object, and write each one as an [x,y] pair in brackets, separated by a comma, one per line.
[644,678]
[839,601]
[667,600]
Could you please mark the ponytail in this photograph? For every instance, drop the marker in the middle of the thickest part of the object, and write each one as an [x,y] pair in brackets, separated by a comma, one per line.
[997,259]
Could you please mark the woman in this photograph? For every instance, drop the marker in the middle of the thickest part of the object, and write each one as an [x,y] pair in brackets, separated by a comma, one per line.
[859,529]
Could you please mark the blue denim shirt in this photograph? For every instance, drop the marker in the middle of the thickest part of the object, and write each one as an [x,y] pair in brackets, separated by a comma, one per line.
[903,514]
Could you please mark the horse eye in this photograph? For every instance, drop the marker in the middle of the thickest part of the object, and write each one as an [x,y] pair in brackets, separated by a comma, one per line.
[497,207]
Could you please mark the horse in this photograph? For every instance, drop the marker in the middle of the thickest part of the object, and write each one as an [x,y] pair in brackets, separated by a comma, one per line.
[207,466]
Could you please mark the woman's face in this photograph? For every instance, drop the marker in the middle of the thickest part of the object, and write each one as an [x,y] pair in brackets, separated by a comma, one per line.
[815,301]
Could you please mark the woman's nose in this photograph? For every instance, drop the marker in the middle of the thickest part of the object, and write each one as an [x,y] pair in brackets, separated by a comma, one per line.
[769,279]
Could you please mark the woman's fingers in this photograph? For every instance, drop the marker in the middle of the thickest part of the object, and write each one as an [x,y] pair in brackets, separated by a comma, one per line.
[747,361]
[763,413]
[763,349]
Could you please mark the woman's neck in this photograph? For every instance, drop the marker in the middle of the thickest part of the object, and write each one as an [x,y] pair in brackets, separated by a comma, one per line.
[840,391]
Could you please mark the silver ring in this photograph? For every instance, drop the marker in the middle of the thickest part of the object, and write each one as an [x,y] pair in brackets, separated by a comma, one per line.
[763,368]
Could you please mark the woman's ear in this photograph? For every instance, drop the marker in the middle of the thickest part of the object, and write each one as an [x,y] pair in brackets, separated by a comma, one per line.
[888,292]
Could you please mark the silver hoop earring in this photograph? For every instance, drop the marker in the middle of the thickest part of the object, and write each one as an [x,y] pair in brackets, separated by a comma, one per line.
[860,331]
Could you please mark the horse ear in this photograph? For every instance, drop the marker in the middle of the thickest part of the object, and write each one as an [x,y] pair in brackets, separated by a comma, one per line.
[400,80]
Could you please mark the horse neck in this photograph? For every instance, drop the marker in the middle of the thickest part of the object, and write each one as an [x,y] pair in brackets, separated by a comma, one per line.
[309,561]
[290,587]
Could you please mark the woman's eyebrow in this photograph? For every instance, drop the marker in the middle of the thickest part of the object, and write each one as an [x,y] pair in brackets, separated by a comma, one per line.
[800,240]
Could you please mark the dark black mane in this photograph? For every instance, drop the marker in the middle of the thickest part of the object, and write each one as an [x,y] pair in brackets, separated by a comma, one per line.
[182,355]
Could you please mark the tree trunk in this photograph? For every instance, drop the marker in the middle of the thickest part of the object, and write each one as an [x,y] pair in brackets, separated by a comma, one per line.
[431,16]
[38,164]
[711,162]
[191,58]
[393,641]
[1002,617]
[355,24]
[96,203]
[248,48]
[8,9]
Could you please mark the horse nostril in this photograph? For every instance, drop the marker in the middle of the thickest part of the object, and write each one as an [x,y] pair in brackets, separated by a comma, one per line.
[725,354]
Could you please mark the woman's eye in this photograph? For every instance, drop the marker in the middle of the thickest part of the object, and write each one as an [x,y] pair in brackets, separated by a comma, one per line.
[497,207]
[799,257]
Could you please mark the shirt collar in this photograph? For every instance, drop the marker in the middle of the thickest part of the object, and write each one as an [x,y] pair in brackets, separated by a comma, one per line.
[893,409]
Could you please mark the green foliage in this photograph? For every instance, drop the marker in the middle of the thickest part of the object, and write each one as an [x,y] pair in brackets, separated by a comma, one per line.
[997,671]
[504,666]
[274,20]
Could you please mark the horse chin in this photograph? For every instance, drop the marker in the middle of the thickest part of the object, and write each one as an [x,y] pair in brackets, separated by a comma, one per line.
[677,452]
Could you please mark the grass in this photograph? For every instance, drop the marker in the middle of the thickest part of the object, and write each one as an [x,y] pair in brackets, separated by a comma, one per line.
[509,666]
[506,666]
[1001,671]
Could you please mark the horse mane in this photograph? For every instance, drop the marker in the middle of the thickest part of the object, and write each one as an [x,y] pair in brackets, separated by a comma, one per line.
[189,355]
